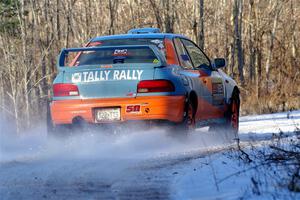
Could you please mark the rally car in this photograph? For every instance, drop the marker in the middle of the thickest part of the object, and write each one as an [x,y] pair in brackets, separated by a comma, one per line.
[143,76]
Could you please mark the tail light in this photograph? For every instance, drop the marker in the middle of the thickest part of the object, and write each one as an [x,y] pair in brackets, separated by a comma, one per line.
[65,89]
[155,86]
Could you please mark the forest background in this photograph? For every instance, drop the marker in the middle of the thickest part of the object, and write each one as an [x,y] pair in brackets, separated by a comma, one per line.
[260,40]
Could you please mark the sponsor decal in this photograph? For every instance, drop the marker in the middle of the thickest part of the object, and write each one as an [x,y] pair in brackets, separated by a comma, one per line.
[88,52]
[105,75]
[76,77]
[217,94]
[158,43]
[93,44]
[106,66]
[131,94]
[133,108]
[78,111]
[155,61]
[120,52]
[217,88]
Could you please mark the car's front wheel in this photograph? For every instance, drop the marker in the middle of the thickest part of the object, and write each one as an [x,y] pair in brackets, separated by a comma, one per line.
[232,119]
[231,126]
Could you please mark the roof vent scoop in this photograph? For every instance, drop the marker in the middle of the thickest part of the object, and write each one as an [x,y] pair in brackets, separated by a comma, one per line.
[144,30]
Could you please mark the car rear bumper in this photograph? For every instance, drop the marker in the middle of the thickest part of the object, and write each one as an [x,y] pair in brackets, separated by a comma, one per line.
[170,108]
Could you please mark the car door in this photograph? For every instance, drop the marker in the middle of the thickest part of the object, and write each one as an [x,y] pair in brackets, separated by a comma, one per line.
[212,95]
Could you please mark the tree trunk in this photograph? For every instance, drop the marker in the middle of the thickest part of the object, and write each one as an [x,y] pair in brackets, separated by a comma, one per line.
[294,49]
[156,13]
[232,44]
[25,69]
[133,24]
[58,31]
[169,15]
[113,5]
[201,24]
[259,67]
[226,35]
[271,44]
[252,52]
[238,13]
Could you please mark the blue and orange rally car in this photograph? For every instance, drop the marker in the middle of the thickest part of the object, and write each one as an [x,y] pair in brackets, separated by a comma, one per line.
[143,76]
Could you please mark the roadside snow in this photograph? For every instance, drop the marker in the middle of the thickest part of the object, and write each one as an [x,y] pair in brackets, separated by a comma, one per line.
[270,123]
[225,176]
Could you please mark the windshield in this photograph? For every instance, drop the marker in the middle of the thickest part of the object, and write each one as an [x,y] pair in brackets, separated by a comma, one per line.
[112,55]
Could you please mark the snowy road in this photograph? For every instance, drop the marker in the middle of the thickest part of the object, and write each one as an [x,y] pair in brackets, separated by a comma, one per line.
[141,165]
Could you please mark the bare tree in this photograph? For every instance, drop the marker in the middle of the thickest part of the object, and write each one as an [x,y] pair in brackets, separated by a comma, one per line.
[277,9]
[156,13]
[169,15]
[252,50]
[201,24]
[237,18]
[113,5]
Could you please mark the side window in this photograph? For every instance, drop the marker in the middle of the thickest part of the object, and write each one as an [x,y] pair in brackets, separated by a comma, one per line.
[182,55]
[197,56]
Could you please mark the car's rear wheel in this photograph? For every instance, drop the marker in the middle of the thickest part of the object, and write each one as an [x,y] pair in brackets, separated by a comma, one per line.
[56,130]
[188,123]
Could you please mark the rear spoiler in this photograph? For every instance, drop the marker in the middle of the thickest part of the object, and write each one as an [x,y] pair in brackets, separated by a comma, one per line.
[64,53]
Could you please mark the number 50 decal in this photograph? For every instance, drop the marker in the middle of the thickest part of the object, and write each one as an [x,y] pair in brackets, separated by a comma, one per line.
[133,108]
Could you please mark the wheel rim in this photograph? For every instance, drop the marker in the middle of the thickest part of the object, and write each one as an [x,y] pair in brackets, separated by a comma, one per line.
[235,116]
[191,123]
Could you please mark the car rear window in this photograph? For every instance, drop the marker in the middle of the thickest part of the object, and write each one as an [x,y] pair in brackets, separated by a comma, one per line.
[158,42]
[113,55]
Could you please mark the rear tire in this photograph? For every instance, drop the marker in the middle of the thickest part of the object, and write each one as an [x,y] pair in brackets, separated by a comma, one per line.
[55,130]
[188,124]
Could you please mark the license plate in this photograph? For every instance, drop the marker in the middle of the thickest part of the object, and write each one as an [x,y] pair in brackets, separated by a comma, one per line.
[107,114]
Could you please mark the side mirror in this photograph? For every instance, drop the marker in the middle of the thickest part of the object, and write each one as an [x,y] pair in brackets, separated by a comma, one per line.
[219,63]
